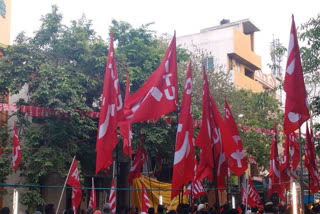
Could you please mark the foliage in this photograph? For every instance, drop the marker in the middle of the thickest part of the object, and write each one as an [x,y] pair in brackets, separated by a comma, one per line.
[257,110]
[31,200]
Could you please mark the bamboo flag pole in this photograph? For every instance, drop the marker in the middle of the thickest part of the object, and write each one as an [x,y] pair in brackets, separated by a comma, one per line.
[64,186]
[301,173]
[247,190]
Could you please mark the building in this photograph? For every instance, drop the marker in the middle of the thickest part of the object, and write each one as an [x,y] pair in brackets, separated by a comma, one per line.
[5,24]
[231,45]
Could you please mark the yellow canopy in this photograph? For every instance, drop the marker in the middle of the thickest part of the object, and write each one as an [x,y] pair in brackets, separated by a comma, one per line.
[163,189]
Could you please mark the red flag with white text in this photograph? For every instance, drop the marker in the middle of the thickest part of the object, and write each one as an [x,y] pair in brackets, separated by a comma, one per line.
[139,159]
[196,186]
[125,129]
[183,171]
[237,161]
[110,112]
[296,107]
[112,197]
[250,193]
[93,201]
[16,150]
[145,203]
[74,181]
[274,170]
[159,92]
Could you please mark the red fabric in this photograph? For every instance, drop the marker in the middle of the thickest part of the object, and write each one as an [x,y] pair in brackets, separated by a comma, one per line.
[237,161]
[310,161]
[221,138]
[204,138]
[111,109]
[93,201]
[159,92]
[294,150]
[184,151]
[16,151]
[112,197]
[296,109]
[285,168]
[145,204]
[137,163]
[274,171]
[125,129]
[74,181]
[197,187]
[250,193]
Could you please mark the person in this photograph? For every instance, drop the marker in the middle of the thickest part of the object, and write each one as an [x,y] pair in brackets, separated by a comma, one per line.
[151,210]
[68,211]
[49,209]
[5,210]
[160,209]
[90,210]
[97,212]
[107,209]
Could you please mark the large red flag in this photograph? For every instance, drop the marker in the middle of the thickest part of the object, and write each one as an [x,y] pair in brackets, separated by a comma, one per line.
[111,110]
[294,150]
[93,201]
[137,163]
[274,171]
[221,136]
[145,204]
[296,109]
[125,129]
[112,198]
[159,92]
[204,139]
[74,181]
[237,160]
[16,150]
[251,194]
[184,151]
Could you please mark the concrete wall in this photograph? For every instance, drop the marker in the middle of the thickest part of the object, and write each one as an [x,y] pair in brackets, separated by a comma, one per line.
[5,25]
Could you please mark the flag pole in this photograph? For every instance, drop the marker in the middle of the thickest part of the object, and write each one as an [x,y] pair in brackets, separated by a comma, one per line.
[247,190]
[64,186]
[129,169]
[301,174]
[116,181]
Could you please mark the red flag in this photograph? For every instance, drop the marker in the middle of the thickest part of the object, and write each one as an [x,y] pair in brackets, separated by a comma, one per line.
[184,150]
[250,193]
[296,108]
[285,167]
[145,204]
[92,201]
[294,150]
[204,139]
[111,110]
[16,151]
[137,163]
[314,156]
[74,181]
[112,197]
[196,186]
[125,129]
[310,162]
[159,92]
[274,171]
[237,160]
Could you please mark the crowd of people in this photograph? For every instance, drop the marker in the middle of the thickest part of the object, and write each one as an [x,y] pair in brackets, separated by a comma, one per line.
[267,208]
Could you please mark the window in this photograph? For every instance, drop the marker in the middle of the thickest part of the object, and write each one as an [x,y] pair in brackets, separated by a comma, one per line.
[249,73]
[238,68]
[208,63]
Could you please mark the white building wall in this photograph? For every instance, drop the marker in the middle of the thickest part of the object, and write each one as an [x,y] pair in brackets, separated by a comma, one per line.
[217,43]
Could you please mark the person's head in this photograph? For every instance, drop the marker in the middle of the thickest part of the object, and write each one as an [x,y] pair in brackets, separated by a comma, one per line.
[107,208]
[49,209]
[151,210]
[90,210]
[5,210]
[201,207]
[160,209]
[68,211]
[97,212]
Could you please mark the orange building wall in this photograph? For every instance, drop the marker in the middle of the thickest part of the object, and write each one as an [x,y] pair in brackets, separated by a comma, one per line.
[5,25]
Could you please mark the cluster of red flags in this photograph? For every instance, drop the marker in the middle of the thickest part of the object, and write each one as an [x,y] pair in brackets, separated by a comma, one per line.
[139,159]
[112,197]
[145,203]
[93,201]
[74,181]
